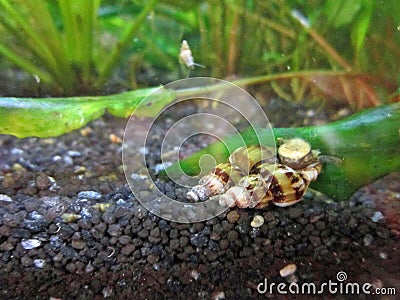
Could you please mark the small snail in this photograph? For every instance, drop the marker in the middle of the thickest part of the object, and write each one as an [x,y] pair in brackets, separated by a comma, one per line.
[185,56]
[254,177]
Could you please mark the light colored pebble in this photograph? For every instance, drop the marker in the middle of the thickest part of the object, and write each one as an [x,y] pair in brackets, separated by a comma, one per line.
[288,270]
[137,176]
[161,167]
[56,158]
[377,216]
[39,263]
[5,198]
[51,201]
[30,244]
[218,295]
[68,160]
[143,150]
[73,153]
[92,195]
[68,218]
[16,151]
[194,274]
[107,292]
[258,221]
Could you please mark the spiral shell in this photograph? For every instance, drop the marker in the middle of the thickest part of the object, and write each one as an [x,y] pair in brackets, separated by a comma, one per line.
[254,177]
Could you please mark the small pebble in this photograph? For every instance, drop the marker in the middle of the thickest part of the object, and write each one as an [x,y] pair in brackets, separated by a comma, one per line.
[368,240]
[73,153]
[295,212]
[218,295]
[101,207]
[68,160]
[30,244]
[87,131]
[16,151]
[68,218]
[89,268]
[232,216]
[258,221]
[161,167]
[56,158]
[5,198]
[6,246]
[43,181]
[92,195]
[194,274]
[383,255]
[377,216]
[107,292]
[39,263]
[288,270]
[115,139]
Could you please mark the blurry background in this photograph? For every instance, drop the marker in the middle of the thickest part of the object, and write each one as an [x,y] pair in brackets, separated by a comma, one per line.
[333,49]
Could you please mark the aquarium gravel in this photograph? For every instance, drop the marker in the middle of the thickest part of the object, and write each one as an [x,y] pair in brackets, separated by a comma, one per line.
[70,228]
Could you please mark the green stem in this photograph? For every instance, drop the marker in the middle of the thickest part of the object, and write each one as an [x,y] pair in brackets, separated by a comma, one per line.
[30,36]
[367,146]
[26,65]
[125,41]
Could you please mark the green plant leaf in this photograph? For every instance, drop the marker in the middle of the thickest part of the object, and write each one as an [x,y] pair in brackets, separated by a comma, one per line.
[342,12]
[49,117]
[367,145]
[360,29]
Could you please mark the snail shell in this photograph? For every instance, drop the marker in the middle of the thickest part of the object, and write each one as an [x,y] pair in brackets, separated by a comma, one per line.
[296,153]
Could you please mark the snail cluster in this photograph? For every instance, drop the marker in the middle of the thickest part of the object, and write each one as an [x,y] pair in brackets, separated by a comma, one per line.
[255,176]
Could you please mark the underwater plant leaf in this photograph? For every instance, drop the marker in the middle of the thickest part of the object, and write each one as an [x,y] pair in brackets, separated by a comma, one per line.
[360,29]
[342,12]
[49,117]
[365,147]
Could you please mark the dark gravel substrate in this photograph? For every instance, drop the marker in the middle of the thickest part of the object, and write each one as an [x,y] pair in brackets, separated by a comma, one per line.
[71,229]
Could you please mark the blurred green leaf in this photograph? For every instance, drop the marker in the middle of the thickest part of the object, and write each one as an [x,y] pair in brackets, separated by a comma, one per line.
[360,28]
[342,12]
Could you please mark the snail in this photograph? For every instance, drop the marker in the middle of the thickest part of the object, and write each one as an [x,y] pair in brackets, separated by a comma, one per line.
[255,177]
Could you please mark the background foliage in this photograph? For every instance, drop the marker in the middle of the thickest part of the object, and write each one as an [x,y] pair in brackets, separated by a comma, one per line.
[77,47]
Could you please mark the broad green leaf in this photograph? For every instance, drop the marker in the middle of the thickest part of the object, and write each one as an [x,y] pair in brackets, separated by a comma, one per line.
[24,117]
[366,146]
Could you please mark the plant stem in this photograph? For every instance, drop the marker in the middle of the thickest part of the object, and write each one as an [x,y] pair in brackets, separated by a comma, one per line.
[325,45]
[124,42]
[26,64]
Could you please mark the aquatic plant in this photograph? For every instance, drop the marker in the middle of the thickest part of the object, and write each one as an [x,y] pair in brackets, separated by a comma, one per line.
[57,42]
[46,117]
[365,147]
[358,40]
[366,144]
